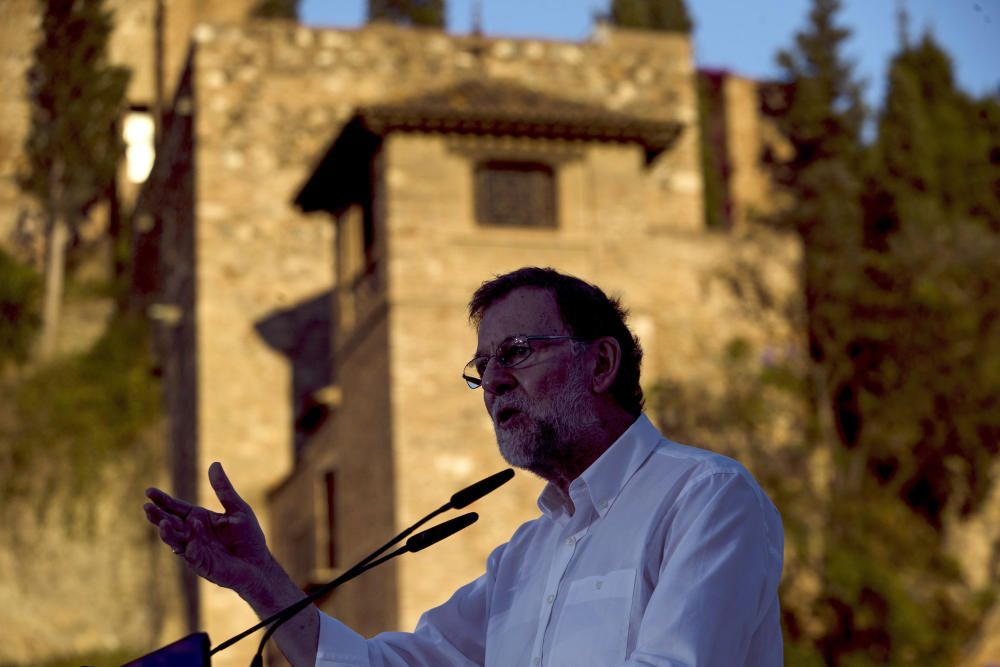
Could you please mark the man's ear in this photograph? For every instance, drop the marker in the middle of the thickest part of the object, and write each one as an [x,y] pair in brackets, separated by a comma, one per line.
[608,357]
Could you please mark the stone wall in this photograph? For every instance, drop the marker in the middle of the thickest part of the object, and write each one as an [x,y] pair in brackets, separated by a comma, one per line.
[84,574]
[254,256]
[164,287]
[18,29]
[750,135]
[973,543]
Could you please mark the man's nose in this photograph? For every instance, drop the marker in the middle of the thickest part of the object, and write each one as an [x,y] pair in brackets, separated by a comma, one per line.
[497,379]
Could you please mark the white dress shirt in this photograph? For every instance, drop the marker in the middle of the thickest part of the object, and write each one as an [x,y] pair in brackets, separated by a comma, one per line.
[671,558]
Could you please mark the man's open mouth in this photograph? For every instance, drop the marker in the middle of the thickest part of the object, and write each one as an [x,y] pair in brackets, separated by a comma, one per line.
[505,415]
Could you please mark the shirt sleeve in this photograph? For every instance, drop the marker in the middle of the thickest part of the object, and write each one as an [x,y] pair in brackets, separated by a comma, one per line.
[716,593]
[339,646]
[453,633]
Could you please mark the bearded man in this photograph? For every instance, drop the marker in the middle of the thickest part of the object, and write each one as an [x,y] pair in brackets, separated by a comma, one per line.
[646,552]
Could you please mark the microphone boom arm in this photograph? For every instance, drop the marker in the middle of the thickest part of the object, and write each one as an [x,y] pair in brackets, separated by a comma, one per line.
[459,500]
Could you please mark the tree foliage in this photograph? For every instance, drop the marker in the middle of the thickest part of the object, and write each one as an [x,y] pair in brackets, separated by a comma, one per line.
[76,96]
[822,122]
[824,117]
[20,299]
[72,148]
[276,9]
[900,242]
[936,146]
[666,15]
[69,418]
[931,242]
[408,12]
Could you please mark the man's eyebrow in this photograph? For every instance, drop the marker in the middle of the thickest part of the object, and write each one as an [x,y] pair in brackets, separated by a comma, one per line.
[481,353]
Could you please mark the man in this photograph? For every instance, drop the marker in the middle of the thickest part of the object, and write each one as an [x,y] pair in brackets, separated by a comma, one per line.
[646,553]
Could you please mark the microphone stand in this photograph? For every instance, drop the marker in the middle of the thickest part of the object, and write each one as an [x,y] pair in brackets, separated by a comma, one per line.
[459,500]
[416,543]
[329,586]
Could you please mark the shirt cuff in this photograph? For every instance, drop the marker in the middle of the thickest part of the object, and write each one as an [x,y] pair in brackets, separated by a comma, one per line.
[339,646]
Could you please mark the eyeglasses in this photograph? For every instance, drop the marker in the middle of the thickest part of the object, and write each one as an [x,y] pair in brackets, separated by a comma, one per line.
[511,353]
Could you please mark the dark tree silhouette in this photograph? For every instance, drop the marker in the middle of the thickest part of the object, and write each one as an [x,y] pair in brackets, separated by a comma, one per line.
[72,149]
[408,12]
[276,9]
[671,15]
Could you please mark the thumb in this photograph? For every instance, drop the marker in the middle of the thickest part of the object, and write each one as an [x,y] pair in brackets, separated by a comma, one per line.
[224,491]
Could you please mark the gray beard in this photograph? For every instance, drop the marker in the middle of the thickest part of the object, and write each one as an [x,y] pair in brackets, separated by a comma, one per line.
[534,444]
[543,438]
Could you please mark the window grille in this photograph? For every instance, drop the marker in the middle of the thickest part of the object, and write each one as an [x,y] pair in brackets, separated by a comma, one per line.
[515,194]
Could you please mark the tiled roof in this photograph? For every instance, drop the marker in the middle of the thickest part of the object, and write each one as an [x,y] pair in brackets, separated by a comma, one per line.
[474,107]
[496,107]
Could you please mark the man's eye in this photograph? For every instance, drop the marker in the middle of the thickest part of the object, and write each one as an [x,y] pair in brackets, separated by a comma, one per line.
[480,364]
[513,354]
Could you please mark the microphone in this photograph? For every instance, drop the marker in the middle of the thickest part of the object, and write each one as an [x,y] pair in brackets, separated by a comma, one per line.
[418,542]
[459,500]
[474,492]
[432,535]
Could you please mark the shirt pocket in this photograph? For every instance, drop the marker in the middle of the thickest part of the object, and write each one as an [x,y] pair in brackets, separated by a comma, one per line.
[592,628]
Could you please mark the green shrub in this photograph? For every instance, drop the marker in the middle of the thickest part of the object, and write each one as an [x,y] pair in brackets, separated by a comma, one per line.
[73,416]
[20,302]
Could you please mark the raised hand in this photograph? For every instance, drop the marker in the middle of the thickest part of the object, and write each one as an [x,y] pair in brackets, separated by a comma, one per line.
[227,549]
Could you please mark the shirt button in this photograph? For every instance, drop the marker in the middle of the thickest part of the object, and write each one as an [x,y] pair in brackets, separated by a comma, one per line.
[570,541]
[599,584]
[550,599]
[604,505]
[536,660]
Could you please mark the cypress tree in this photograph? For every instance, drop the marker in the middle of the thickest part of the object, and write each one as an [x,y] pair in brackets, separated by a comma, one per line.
[822,119]
[932,230]
[72,148]
[408,12]
[894,241]
[936,141]
[667,15]
[276,9]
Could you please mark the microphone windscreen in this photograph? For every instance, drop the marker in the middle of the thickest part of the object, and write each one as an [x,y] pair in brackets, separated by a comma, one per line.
[471,494]
[435,534]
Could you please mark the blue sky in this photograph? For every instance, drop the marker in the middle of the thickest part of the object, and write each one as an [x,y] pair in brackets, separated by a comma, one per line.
[743,36]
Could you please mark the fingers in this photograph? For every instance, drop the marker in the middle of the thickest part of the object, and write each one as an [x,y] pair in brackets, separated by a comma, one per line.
[174,534]
[168,503]
[154,514]
[224,491]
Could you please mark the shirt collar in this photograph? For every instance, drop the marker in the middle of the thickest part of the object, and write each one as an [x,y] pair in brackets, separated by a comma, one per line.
[601,483]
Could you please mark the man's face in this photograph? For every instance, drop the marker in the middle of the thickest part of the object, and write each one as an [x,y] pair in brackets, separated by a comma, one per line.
[538,407]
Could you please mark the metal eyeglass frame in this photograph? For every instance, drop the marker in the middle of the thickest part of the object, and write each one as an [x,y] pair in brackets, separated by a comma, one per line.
[474,378]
